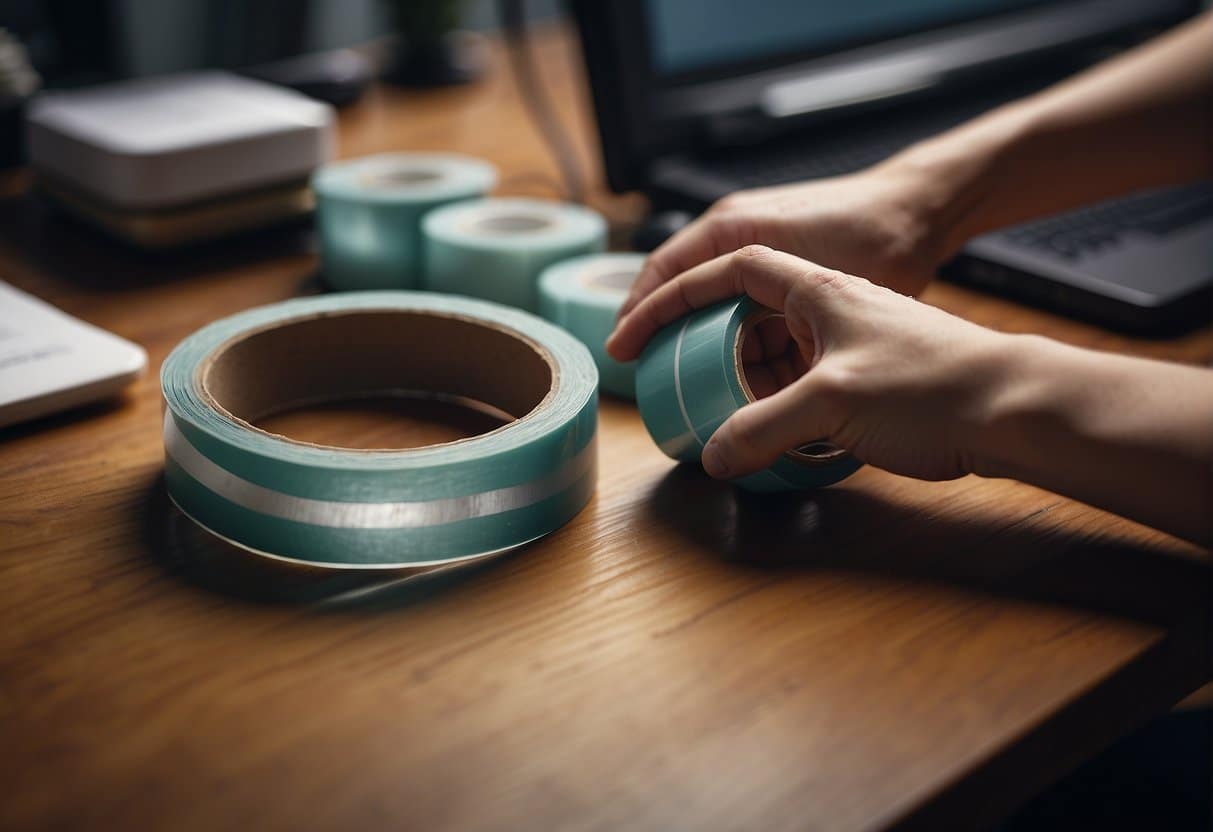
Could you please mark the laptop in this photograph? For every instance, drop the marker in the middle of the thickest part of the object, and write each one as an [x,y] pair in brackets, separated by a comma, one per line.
[698,98]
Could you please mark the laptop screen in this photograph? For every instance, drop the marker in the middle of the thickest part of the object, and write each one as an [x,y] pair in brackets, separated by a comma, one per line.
[691,35]
[671,76]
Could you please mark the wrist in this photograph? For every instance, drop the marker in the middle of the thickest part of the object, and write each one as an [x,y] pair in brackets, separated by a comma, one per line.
[952,183]
[1029,404]
[1125,434]
[921,204]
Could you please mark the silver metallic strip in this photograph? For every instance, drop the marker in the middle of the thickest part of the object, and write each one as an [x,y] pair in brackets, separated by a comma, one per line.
[682,405]
[345,566]
[341,515]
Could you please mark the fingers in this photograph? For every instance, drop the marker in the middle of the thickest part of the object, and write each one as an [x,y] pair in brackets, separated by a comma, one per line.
[771,358]
[756,436]
[768,339]
[703,239]
[766,275]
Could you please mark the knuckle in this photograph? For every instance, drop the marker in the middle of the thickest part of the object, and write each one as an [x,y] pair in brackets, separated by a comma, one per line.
[828,279]
[646,314]
[751,255]
[655,268]
[683,298]
[833,387]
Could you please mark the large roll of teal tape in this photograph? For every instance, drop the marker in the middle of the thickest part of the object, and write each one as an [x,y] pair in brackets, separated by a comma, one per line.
[380,508]
[690,378]
[583,295]
[496,248]
[368,213]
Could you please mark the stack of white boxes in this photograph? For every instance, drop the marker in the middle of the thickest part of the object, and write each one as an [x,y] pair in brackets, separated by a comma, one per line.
[175,159]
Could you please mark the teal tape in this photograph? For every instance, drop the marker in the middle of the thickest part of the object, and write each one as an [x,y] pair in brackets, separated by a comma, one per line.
[583,295]
[368,213]
[496,248]
[380,508]
[688,381]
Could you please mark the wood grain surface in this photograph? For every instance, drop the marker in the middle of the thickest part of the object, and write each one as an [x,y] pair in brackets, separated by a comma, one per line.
[884,653]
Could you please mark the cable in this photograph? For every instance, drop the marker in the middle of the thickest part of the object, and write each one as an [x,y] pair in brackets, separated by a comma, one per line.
[535,98]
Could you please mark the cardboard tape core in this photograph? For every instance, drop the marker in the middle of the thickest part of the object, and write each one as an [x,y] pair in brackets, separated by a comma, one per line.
[615,280]
[817,452]
[400,178]
[376,352]
[514,224]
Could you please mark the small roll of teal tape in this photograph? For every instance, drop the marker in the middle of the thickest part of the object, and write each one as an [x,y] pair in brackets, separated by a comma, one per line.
[583,295]
[368,213]
[690,378]
[380,508]
[496,248]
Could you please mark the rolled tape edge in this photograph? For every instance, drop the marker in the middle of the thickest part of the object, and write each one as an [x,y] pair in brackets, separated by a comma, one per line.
[504,266]
[683,401]
[385,530]
[393,514]
[370,235]
[568,297]
[458,176]
[345,564]
[455,223]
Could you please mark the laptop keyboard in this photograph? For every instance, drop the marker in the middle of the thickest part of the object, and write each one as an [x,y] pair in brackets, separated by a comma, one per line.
[828,162]
[816,157]
[1088,230]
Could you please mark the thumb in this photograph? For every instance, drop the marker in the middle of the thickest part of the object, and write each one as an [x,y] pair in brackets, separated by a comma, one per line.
[756,436]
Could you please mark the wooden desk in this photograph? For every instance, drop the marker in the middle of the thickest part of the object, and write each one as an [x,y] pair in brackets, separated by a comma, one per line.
[885,653]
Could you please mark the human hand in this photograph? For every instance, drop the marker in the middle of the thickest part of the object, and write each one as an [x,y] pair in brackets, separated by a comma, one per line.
[900,384]
[883,223]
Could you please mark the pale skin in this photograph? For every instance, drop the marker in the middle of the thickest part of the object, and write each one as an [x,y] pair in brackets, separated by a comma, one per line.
[914,390]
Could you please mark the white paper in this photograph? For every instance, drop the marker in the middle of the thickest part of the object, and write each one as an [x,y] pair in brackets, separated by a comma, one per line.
[50,361]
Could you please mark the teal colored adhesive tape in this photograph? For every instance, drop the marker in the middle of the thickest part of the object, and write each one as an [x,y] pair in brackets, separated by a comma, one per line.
[368,213]
[583,295]
[380,508]
[496,248]
[690,379]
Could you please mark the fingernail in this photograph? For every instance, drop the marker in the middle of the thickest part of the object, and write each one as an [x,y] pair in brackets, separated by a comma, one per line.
[714,462]
[610,338]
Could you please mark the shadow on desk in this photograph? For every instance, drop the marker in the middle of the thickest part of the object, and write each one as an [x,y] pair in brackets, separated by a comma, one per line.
[87,258]
[83,413]
[846,529]
[835,529]
[200,559]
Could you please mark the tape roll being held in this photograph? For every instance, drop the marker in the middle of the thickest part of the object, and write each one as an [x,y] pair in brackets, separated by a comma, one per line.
[380,508]
[583,295]
[691,378]
[496,248]
[369,210]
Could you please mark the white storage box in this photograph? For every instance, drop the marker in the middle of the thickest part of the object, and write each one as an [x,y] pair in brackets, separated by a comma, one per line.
[175,140]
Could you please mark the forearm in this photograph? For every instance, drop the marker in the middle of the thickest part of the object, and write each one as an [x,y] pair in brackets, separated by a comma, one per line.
[1142,119]
[1129,435]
